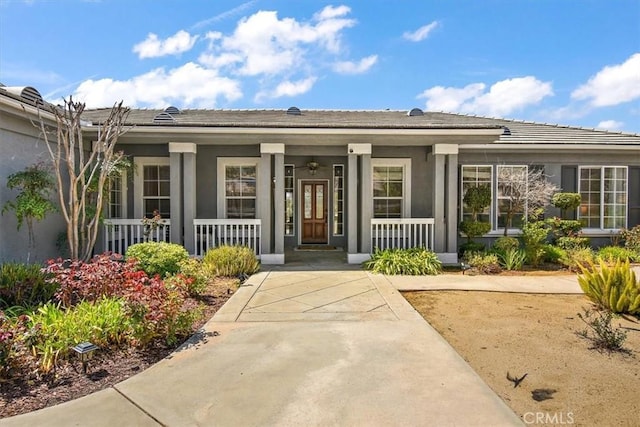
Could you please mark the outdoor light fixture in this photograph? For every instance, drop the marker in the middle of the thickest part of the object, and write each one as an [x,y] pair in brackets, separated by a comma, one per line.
[85,353]
[313,167]
[464,267]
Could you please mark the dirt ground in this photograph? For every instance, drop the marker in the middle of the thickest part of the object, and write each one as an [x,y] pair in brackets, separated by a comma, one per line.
[567,383]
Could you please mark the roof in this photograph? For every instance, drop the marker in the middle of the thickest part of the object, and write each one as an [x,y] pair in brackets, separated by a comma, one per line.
[518,132]
[329,119]
[515,132]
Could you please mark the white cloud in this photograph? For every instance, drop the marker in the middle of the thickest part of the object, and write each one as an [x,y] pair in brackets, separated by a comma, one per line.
[269,45]
[189,85]
[359,67]
[421,33]
[281,56]
[288,88]
[613,85]
[502,98]
[152,47]
[610,125]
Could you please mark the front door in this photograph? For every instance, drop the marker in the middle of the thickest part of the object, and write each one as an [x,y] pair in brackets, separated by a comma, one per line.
[314,212]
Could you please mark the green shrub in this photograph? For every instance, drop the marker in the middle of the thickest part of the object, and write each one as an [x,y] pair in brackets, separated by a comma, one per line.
[534,236]
[470,247]
[574,259]
[632,238]
[506,243]
[158,257]
[57,329]
[231,261]
[564,227]
[511,259]
[195,271]
[617,253]
[553,253]
[414,262]
[601,333]
[482,262]
[572,242]
[614,287]
[12,329]
[24,285]
[475,228]
[566,201]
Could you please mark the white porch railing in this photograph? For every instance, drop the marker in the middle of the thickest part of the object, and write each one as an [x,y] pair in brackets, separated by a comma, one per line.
[402,233]
[119,234]
[211,233]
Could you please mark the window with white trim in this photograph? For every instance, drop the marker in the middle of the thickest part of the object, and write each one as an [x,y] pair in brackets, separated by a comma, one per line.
[475,176]
[117,204]
[152,186]
[494,177]
[391,188]
[518,183]
[237,185]
[289,200]
[338,200]
[603,190]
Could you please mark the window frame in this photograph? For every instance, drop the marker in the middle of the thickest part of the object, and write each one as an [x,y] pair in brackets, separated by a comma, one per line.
[602,192]
[222,164]
[491,186]
[123,197]
[338,203]
[140,163]
[405,163]
[292,189]
[496,197]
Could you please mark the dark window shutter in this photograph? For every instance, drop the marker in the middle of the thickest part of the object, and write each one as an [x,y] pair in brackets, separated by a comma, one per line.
[569,184]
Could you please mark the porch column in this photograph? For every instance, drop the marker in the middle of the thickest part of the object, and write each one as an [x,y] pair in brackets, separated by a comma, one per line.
[175,198]
[452,204]
[189,159]
[272,203]
[445,192]
[366,207]
[352,204]
[182,163]
[359,204]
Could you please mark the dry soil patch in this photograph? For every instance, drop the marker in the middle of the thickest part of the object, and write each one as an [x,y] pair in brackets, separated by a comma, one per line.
[567,382]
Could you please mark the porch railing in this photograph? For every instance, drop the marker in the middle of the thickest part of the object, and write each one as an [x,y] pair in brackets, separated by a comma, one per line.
[402,233]
[119,234]
[211,233]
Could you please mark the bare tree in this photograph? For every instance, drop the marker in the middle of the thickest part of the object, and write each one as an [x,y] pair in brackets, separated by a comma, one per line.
[524,189]
[86,166]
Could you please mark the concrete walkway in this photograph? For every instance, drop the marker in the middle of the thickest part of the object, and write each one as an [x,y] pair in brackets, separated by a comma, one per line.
[300,347]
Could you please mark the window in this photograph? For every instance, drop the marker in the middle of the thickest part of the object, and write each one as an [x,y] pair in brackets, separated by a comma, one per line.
[289,200]
[237,184]
[475,176]
[117,205]
[391,192]
[152,186]
[507,183]
[512,185]
[338,200]
[604,197]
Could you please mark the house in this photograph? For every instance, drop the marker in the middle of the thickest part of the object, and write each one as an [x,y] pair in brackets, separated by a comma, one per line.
[280,179]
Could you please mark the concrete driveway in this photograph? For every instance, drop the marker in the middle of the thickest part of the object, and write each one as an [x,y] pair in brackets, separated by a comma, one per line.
[300,347]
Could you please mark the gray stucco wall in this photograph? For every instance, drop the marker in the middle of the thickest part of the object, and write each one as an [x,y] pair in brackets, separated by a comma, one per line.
[21,147]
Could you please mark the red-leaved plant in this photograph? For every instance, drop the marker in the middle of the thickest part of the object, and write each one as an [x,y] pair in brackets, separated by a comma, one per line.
[156,310]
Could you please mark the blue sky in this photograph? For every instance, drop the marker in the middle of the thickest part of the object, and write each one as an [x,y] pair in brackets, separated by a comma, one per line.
[551,61]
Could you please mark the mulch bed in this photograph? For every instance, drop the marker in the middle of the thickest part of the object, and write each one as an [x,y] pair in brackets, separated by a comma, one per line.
[21,395]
